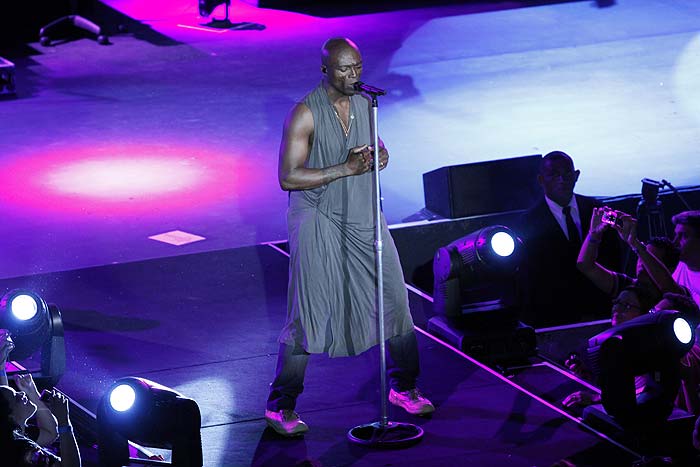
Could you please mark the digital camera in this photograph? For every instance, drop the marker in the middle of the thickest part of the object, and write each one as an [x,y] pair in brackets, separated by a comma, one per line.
[610,217]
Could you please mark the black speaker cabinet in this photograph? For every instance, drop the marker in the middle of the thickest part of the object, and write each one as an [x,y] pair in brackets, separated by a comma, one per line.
[482,187]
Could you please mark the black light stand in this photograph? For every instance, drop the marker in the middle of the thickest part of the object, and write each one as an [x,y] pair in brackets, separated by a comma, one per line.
[381,434]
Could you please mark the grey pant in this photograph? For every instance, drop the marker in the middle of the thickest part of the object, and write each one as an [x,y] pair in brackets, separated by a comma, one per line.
[402,370]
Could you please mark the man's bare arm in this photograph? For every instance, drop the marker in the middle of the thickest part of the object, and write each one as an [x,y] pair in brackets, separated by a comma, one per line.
[296,148]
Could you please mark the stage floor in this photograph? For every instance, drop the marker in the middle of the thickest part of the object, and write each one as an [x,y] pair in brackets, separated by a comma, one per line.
[206,325]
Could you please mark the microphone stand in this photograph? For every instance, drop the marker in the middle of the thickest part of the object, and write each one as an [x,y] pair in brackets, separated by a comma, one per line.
[381,434]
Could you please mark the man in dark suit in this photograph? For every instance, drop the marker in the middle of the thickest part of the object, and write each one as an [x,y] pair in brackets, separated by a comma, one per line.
[554,291]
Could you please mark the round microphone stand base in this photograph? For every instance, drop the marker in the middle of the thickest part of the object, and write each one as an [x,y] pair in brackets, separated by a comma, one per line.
[392,435]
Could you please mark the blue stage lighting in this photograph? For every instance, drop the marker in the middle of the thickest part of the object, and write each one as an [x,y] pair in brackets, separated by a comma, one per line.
[503,243]
[476,270]
[149,414]
[476,297]
[35,325]
[24,307]
[122,398]
[683,330]
[649,346]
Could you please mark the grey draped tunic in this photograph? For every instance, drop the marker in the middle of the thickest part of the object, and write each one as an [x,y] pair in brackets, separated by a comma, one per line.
[332,276]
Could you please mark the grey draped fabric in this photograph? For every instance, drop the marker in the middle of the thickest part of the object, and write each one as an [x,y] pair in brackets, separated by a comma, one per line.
[332,278]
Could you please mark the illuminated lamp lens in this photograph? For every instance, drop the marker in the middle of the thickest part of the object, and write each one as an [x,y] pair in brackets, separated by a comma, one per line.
[122,398]
[682,330]
[502,244]
[24,307]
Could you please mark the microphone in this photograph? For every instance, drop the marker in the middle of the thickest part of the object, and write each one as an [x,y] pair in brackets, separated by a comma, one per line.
[367,89]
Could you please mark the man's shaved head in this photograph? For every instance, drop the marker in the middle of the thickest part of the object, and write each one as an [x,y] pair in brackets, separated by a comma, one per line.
[341,65]
[334,46]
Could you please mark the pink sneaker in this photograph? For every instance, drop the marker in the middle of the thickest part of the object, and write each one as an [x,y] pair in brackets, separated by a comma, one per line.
[412,401]
[286,422]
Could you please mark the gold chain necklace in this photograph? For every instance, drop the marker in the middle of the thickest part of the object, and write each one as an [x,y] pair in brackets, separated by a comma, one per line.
[346,129]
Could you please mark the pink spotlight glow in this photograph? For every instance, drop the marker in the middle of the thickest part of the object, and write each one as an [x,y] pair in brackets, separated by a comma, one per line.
[123,179]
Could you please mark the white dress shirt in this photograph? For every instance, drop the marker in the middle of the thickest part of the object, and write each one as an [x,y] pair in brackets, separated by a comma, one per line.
[558,213]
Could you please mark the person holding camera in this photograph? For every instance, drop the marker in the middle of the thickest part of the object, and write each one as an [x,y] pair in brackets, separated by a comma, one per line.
[655,259]
[25,445]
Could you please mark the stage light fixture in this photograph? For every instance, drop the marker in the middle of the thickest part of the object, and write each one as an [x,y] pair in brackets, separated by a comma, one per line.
[207,7]
[476,298]
[476,271]
[147,413]
[650,345]
[35,325]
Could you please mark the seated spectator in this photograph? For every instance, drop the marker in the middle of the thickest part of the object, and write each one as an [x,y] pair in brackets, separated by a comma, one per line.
[631,302]
[629,306]
[19,447]
[655,260]
[687,230]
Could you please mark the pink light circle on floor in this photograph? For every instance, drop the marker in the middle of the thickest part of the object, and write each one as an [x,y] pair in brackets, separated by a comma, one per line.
[120,178]
[123,179]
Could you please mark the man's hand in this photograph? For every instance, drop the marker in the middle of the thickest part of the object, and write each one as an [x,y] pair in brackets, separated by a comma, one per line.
[359,160]
[383,158]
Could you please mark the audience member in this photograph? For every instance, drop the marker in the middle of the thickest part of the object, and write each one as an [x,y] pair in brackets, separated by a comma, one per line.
[655,260]
[632,303]
[552,231]
[687,230]
[19,445]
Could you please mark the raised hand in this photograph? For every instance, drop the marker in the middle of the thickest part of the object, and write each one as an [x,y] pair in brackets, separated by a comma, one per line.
[6,345]
[58,404]
[627,228]
[598,227]
[25,383]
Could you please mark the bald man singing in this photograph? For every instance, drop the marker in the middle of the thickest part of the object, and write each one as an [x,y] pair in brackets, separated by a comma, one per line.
[326,164]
